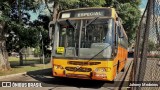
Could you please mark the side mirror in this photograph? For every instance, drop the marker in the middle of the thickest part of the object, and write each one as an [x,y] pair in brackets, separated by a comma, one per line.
[51,27]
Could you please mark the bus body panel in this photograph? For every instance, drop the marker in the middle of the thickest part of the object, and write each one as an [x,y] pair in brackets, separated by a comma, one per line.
[64,63]
[111,64]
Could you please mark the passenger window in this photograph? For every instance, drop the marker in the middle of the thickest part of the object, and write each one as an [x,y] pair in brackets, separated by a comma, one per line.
[119,31]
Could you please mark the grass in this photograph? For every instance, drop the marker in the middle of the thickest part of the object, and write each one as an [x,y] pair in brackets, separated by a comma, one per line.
[30,64]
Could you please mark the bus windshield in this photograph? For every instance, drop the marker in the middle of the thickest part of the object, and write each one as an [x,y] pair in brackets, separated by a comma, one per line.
[86,38]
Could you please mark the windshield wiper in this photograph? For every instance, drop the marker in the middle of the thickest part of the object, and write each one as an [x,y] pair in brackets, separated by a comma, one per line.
[98,53]
[93,57]
[91,21]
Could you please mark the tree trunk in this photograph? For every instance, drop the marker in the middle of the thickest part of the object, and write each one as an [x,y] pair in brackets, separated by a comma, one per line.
[48,6]
[20,58]
[4,63]
[55,11]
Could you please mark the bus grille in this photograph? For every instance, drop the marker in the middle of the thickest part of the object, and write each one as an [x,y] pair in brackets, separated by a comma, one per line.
[83,63]
[81,69]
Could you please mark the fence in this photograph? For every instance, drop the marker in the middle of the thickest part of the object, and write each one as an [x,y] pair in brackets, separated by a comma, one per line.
[147,48]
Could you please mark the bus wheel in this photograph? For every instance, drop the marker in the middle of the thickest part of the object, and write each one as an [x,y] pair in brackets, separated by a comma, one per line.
[117,67]
[123,67]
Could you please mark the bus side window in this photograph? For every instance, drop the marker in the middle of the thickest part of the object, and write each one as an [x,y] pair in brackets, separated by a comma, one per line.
[119,31]
[116,35]
[116,39]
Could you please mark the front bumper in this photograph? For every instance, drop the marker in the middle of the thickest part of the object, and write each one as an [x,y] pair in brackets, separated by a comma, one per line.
[82,75]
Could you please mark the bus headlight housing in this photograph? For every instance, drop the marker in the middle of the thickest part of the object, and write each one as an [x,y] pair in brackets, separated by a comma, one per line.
[58,66]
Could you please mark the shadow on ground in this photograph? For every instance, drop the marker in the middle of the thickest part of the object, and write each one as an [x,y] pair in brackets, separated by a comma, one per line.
[45,76]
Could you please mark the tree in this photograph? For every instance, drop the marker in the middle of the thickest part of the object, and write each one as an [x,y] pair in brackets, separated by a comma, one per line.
[4,63]
[43,21]
[130,18]
[129,12]
[21,36]
[24,34]
[16,19]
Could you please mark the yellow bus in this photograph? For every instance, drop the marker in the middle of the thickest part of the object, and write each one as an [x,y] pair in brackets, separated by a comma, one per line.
[88,43]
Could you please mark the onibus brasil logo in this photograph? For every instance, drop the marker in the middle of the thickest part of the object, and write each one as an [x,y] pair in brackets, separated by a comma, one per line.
[21,84]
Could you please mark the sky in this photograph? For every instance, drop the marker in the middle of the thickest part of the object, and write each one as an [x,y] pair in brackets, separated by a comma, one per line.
[143,5]
[42,10]
[35,15]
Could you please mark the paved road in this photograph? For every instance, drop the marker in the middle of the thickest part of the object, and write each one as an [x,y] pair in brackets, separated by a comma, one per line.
[45,77]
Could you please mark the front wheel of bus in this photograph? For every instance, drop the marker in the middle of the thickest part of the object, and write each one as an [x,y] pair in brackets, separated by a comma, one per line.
[124,66]
[115,75]
[123,69]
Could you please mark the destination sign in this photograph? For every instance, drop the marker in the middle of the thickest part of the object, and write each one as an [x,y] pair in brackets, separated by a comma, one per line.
[86,13]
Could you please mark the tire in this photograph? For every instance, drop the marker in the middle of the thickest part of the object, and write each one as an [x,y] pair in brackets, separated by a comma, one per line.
[124,67]
[117,67]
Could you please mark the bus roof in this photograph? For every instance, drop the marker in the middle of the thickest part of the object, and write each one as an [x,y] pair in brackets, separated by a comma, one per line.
[88,8]
[86,12]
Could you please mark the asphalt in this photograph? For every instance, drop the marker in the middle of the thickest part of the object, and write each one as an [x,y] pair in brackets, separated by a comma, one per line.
[53,83]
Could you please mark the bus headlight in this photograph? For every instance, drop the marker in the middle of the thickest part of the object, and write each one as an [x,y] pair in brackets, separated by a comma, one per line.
[58,66]
[100,70]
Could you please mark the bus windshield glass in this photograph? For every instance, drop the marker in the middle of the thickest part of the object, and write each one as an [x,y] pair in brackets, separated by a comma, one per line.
[85,38]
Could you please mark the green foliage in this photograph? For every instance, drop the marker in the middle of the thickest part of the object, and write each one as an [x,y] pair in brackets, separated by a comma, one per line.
[130,15]
[91,3]
[42,25]
[37,51]
[31,4]
[21,36]
[4,9]
[114,2]
[129,1]
[70,4]
[128,11]
[66,4]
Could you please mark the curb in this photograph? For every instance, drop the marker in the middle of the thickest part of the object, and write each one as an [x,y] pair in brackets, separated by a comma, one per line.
[12,75]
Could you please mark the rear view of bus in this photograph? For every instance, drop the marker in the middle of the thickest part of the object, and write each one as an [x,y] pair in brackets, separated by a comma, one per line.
[88,43]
